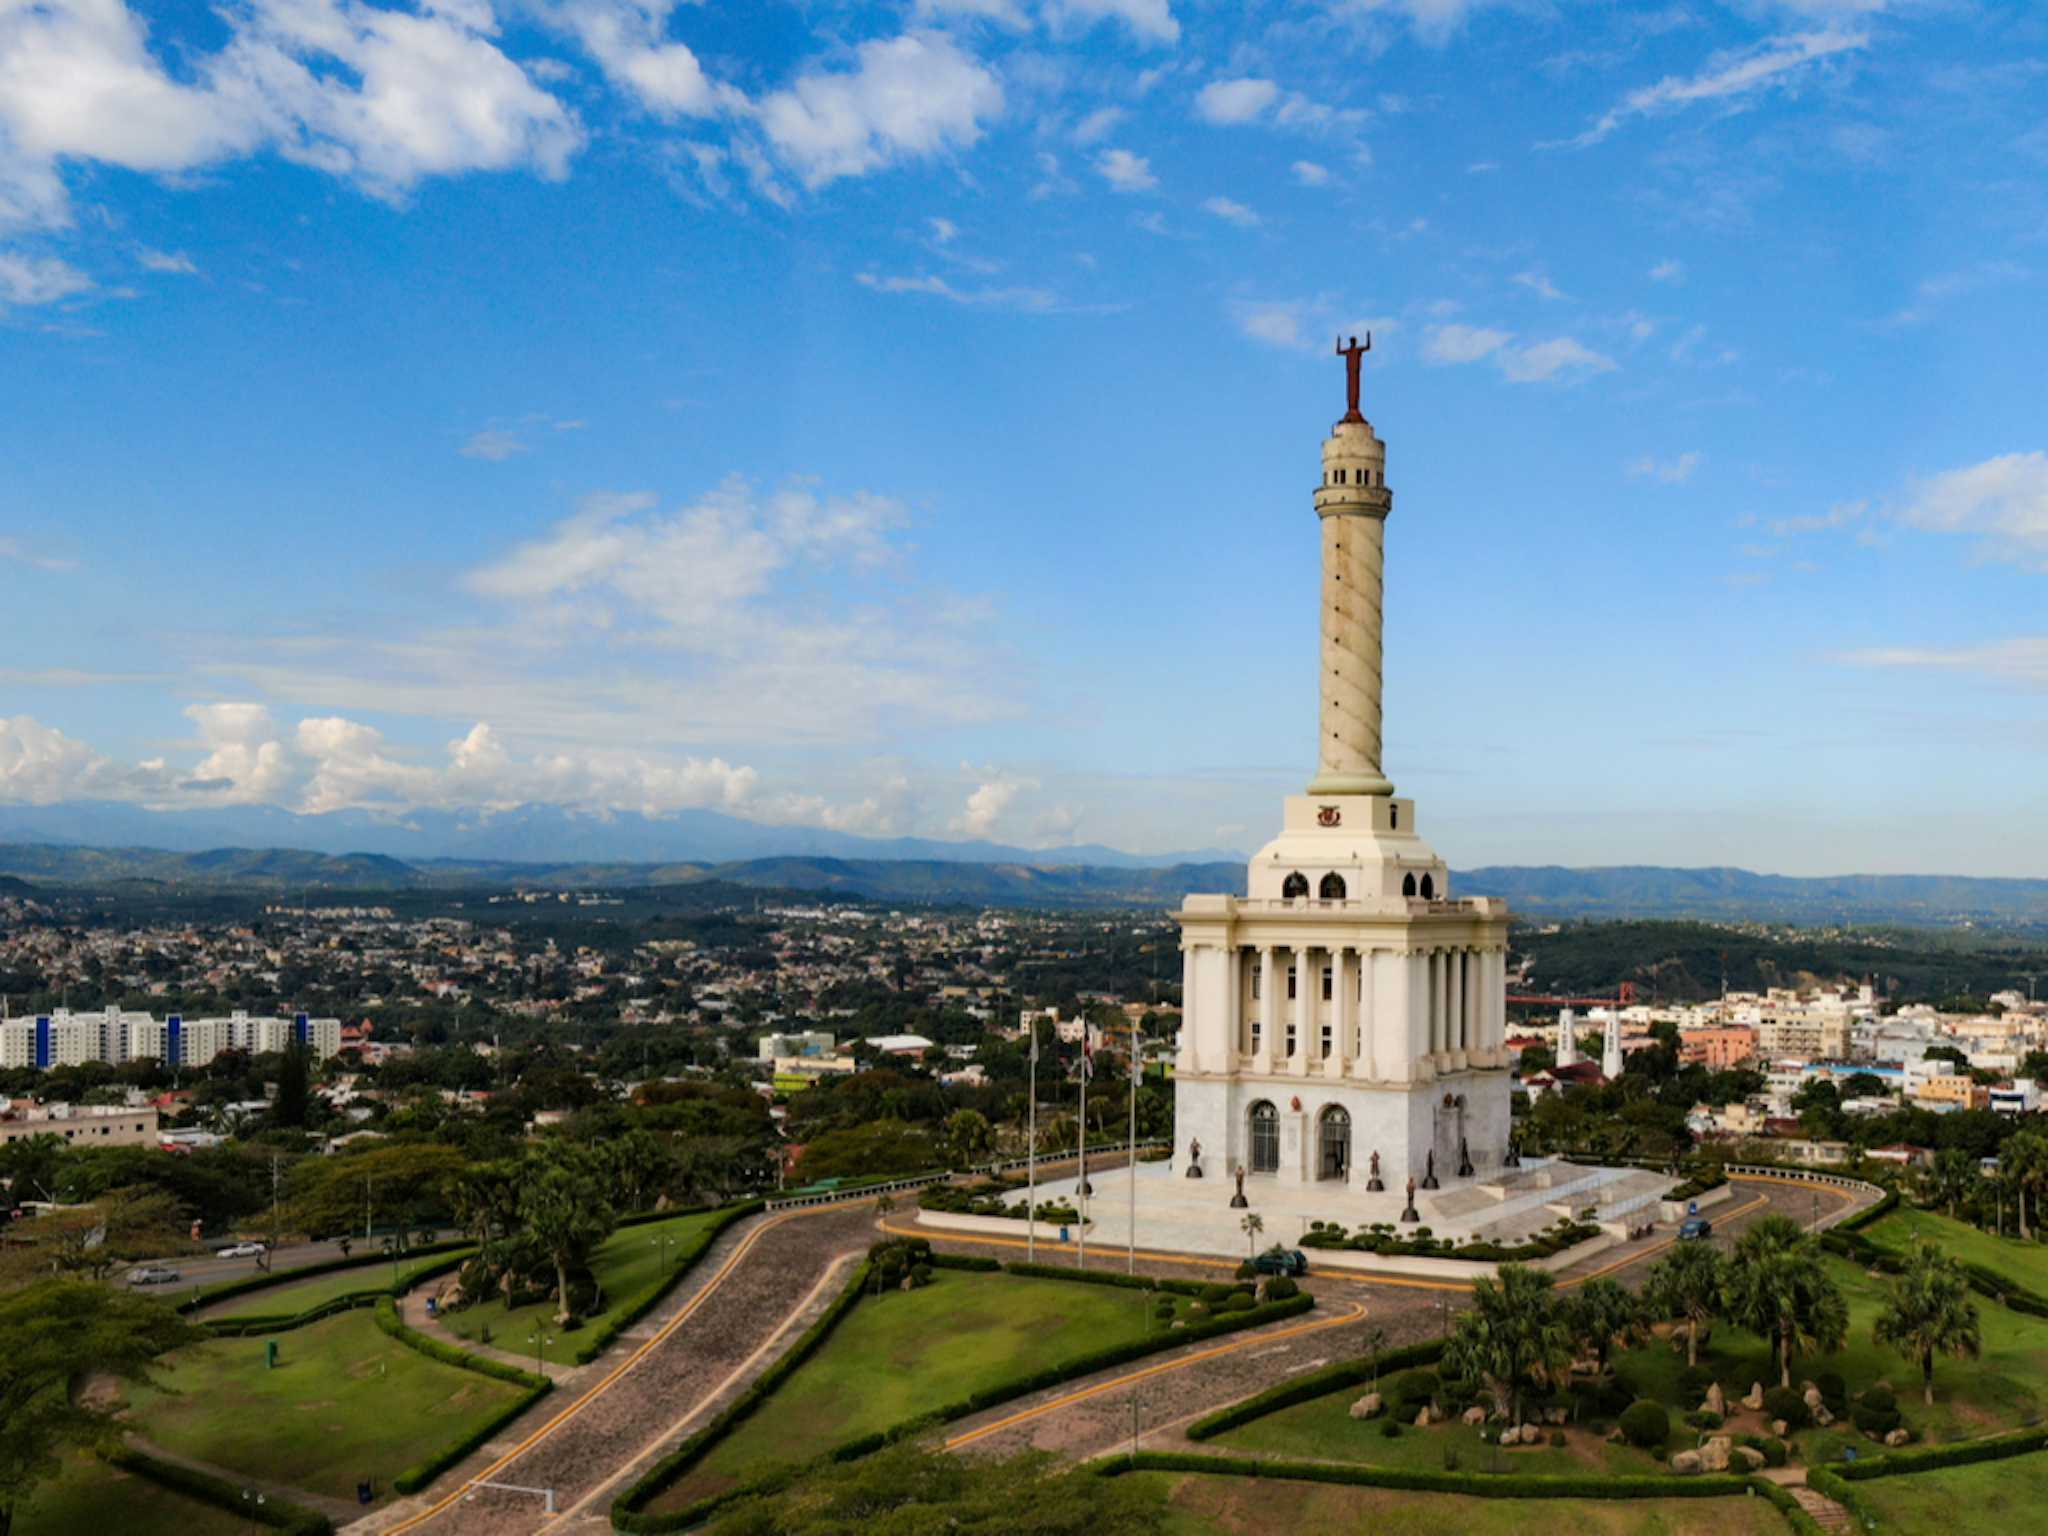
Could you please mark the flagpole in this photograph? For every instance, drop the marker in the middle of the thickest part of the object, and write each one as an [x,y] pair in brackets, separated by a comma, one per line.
[1081,1189]
[1131,1158]
[1031,1157]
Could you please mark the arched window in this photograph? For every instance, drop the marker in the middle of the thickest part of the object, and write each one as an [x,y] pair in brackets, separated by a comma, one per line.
[1393,818]
[1294,885]
[1265,1138]
[1334,1141]
[1333,887]
[1428,888]
[1408,886]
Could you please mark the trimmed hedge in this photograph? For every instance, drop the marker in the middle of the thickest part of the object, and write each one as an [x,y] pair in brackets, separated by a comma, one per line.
[967,1261]
[252,1324]
[630,1312]
[1191,1288]
[1960,1453]
[1795,1514]
[1485,1485]
[278,1514]
[629,1511]
[1302,1389]
[416,1477]
[264,1282]
[1697,1185]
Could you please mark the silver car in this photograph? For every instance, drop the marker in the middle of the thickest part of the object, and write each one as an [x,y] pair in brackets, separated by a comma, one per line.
[153,1274]
[240,1251]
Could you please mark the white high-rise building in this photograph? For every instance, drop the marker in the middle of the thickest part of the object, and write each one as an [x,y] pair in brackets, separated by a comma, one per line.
[1347,1005]
[65,1039]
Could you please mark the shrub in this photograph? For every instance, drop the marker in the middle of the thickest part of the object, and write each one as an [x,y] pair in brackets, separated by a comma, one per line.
[1646,1425]
[1236,1301]
[1775,1453]
[1557,1439]
[1700,1418]
[1279,1288]
[1833,1390]
[1785,1403]
[1247,1271]
[1880,1398]
[1390,1429]
[1215,1292]
[1693,1382]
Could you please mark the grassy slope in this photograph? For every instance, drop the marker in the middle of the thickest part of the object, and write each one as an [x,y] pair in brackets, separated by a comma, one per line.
[345,1402]
[303,1295]
[1990,1498]
[2026,1263]
[906,1353]
[629,1261]
[1242,1506]
[89,1495]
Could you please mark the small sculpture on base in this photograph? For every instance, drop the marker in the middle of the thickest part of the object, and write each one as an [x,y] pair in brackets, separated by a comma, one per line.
[1375,1184]
[1238,1201]
[1514,1158]
[1429,1172]
[1411,1214]
[1195,1158]
[1087,1190]
[1464,1159]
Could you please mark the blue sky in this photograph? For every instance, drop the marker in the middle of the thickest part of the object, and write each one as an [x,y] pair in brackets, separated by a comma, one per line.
[902,417]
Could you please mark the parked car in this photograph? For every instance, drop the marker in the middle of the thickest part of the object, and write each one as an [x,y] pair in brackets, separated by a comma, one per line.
[1695,1229]
[1281,1261]
[240,1251]
[153,1274]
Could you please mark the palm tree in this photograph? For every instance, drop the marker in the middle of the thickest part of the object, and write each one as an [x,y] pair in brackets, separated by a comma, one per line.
[1929,1312]
[1602,1311]
[2023,1161]
[1687,1285]
[1952,1179]
[1375,1341]
[1514,1334]
[1253,1224]
[1778,1287]
[562,1205]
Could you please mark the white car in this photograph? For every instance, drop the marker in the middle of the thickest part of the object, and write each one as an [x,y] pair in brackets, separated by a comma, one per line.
[240,1251]
[153,1274]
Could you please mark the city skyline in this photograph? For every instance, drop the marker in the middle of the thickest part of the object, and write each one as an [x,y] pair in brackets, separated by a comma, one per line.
[901,419]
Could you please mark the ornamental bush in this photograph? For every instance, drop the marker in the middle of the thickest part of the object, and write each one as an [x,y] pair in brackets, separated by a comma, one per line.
[1833,1390]
[1785,1403]
[1215,1292]
[1390,1429]
[1646,1425]
[1279,1288]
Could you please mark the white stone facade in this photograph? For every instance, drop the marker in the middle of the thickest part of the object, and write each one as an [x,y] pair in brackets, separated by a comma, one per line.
[1346,1005]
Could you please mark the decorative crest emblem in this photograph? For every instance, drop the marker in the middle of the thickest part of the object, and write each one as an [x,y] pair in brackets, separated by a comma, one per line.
[1328,816]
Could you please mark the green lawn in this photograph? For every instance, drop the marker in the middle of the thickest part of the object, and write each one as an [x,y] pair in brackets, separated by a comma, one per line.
[89,1495]
[627,1264]
[303,1295]
[1322,1429]
[1243,1506]
[908,1352]
[2026,1263]
[345,1402]
[1988,1498]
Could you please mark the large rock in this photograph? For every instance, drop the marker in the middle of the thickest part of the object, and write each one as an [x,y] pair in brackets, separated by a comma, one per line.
[1755,1401]
[1899,1436]
[1813,1399]
[1512,1435]
[1532,1434]
[1686,1461]
[1423,1419]
[1717,1400]
[1475,1416]
[1821,1416]
[1367,1407]
[1779,1428]
[1556,1415]
[1714,1454]
[1750,1457]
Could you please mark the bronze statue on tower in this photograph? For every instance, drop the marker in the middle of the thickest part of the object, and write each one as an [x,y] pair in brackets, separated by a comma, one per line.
[1352,356]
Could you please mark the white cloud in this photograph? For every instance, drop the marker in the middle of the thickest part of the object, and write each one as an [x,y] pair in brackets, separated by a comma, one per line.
[40,765]
[1670,270]
[27,280]
[2003,501]
[495,445]
[1546,360]
[1098,125]
[1730,76]
[1666,471]
[987,804]
[1309,174]
[166,261]
[912,96]
[1447,344]
[245,763]
[16,550]
[1005,12]
[1435,22]
[1235,101]
[1230,212]
[944,231]
[382,96]
[1538,284]
[1126,172]
[628,40]
[939,288]
[1150,21]
[1277,324]
[2022,660]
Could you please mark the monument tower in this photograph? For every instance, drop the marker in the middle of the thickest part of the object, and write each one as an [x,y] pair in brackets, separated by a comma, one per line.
[1347,1005]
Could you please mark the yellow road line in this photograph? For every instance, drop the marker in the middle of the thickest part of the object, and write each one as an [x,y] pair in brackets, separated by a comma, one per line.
[613,1376]
[1252,1336]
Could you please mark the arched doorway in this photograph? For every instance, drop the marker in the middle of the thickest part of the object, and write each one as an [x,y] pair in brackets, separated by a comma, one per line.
[1334,1143]
[1265,1138]
[1294,887]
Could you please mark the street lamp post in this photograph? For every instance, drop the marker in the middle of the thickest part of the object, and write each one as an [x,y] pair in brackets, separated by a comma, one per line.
[664,1240]
[540,1346]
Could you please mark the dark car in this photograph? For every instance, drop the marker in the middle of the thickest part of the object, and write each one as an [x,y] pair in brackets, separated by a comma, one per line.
[1695,1229]
[1281,1261]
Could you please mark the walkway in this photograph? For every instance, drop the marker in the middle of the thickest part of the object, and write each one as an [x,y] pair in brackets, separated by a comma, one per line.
[339,1510]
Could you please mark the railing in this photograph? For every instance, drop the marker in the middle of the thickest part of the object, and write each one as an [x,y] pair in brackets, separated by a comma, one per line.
[939,1176]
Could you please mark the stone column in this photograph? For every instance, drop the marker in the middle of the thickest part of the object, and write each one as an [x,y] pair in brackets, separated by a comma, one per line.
[1234,1042]
[1420,1064]
[1454,1007]
[1269,1010]
[1497,1006]
[1306,985]
[1343,1013]
[1189,1057]
[1367,1004]
[1353,515]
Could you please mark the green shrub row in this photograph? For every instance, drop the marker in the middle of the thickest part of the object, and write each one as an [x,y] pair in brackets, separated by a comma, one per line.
[646,1300]
[1698,1185]
[1782,1501]
[967,1261]
[416,1477]
[1423,1245]
[1960,1453]
[293,1519]
[251,1324]
[263,1282]
[1103,1277]
[1486,1485]
[629,1510]
[420,1474]
[1315,1384]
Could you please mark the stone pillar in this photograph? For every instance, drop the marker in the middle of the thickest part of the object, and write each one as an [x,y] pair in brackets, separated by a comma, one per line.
[1343,1013]
[1234,1046]
[1188,1058]
[1368,1063]
[1354,534]
[1306,986]
[1497,1005]
[1269,1010]
[1419,1066]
